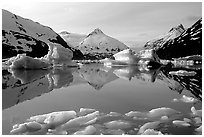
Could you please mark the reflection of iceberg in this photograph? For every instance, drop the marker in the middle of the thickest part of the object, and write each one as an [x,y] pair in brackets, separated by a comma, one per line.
[60,77]
[126,72]
[96,76]
[33,83]
[191,83]
[26,76]
[15,92]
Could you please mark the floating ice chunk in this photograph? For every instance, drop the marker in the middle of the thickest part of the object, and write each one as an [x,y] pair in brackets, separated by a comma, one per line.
[89,130]
[196,112]
[119,124]
[136,114]
[25,62]
[57,118]
[186,99]
[180,123]
[149,125]
[38,118]
[115,131]
[33,126]
[183,73]
[114,114]
[159,112]
[80,120]
[164,118]
[151,132]
[85,111]
[19,129]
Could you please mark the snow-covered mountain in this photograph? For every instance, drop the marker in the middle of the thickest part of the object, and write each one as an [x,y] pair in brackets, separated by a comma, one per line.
[72,39]
[187,44]
[159,41]
[100,45]
[20,35]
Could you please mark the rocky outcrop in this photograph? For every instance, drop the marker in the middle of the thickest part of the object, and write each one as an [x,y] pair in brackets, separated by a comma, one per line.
[187,44]
[162,39]
[20,35]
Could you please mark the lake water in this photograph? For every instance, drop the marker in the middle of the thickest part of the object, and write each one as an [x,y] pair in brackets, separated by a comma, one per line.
[105,89]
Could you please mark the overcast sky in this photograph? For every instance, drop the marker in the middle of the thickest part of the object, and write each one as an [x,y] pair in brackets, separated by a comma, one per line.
[132,21]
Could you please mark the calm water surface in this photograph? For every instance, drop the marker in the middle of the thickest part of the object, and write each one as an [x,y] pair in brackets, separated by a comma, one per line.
[106,89]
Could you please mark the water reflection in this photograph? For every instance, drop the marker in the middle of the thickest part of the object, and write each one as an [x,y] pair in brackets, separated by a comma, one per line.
[19,85]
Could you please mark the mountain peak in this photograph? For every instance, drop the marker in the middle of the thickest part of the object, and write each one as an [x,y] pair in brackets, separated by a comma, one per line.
[178,28]
[96,31]
[64,33]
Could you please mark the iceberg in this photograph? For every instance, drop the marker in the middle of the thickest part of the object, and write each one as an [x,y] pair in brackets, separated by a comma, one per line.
[58,55]
[126,56]
[25,62]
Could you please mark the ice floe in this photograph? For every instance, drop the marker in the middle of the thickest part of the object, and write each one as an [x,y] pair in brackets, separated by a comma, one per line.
[89,130]
[119,124]
[185,99]
[151,132]
[180,123]
[79,121]
[89,121]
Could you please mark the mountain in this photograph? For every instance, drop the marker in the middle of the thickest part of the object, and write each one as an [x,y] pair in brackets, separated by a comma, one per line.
[187,44]
[72,39]
[99,45]
[159,41]
[20,35]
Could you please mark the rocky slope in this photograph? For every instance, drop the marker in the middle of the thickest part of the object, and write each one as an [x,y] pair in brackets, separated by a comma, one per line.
[177,43]
[159,41]
[20,35]
[188,43]
[99,45]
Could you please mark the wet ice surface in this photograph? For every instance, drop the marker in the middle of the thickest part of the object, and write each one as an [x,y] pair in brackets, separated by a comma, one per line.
[94,99]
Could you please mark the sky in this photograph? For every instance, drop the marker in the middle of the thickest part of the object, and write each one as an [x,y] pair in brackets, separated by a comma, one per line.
[125,21]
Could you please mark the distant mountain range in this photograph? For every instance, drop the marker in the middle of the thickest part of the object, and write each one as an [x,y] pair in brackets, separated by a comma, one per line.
[178,42]
[159,41]
[95,44]
[20,35]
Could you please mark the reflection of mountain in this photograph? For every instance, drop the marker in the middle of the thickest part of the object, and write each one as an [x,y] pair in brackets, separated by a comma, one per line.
[191,83]
[25,85]
[96,75]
